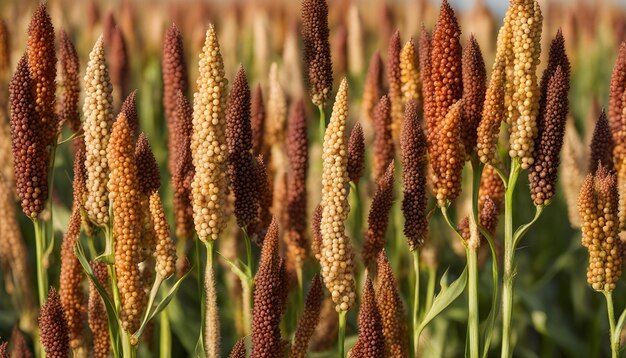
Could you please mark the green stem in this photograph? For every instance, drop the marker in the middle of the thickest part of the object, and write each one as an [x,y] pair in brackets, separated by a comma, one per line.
[342,333]
[322,124]
[416,299]
[430,287]
[128,349]
[42,275]
[357,222]
[610,312]
[246,284]
[472,286]
[509,264]
[165,336]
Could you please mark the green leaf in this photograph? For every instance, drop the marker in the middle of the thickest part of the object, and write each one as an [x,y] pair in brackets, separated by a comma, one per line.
[199,351]
[168,297]
[112,316]
[619,326]
[446,296]
[236,269]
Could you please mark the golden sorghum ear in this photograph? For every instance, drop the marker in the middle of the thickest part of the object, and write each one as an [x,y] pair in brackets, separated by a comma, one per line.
[616,91]
[598,207]
[70,83]
[53,331]
[601,147]
[356,154]
[98,119]
[208,143]
[524,92]
[317,50]
[129,108]
[97,312]
[123,188]
[182,176]
[391,310]
[378,218]
[266,313]
[409,73]
[447,157]
[383,139]
[543,174]
[42,61]
[241,162]
[165,251]
[474,88]
[394,77]
[373,87]
[337,258]
[296,213]
[309,319]
[371,341]
[29,143]
[445,74]
[257,119]
[175,83]
[414,168]
[239,349]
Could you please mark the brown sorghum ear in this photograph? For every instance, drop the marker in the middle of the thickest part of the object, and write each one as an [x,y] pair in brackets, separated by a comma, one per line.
[356,154]
[371,341]
[317,50]
[70,83]
[414,167]
[53,331]
[257,119]
[373,87]
[394,78]
[391,310]
[184,171]
[383,146]
[129,108]
[601,147]
[97,312]
[474,88]
[308,320]
[239,349]
[378,218]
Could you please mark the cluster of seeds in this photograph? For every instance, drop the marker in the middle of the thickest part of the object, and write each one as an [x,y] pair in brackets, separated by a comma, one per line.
[356,154]
[337,259]
[394,77]
[98,119]
[409,73]
[378,218]
[184,172]
[317,50]
[208,143]
[383,146]
[309,319]
[70,71]
[53,327]
[474,88]
[373,87]
[391,310]
[371,341]
[165,251]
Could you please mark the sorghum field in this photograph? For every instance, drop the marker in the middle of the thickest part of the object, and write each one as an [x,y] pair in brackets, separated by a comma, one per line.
[312,178]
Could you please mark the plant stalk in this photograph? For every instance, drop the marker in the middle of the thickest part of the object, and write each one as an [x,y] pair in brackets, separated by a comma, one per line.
[165,335]
[322,124]
[611,314]
[509,264]
[416,299]
[472,293]
[246,285]
[42,275]
[342,333]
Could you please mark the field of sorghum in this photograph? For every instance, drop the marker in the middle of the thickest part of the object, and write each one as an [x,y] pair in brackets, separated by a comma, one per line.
[315,178]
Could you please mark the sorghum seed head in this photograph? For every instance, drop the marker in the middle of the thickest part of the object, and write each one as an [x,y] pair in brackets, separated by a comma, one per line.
[378,218]
[424,50]
[598,208]
[445,74]
[264,217]
[543,173]
[616,91]
[373,88]
[491,187]
[239,349]
[296,218]
[98,119]
[383,138]
[394,77]
[317,50]
[258,122]
[371,341]
[316,241]
[337,260]
[53,331]
[42,62]
[447,157]
[409,72]
[70,289]
[474,88]
[129,108]
[208,143]
[175,83]
[391,310]
[356,154]
[20,347]
[29,143]
[524,90]
[601,147]
[309,319]
[116,45]
[5,49]
[97,312]
[414,171]
[70,83]
[165,252]
[147,168]
[276,110]
[124,189]
[183,173]
[266,337]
